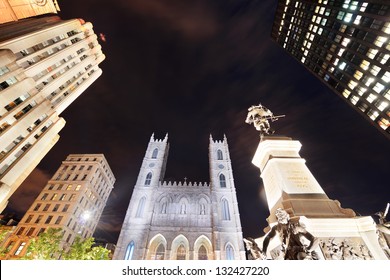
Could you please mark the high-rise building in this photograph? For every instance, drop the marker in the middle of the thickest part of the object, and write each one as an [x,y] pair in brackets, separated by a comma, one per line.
[72,200]
[346,45]
[11,10]
[45,64]
[183,221]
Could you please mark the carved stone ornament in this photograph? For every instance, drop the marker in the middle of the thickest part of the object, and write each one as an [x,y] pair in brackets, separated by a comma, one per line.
[345,248]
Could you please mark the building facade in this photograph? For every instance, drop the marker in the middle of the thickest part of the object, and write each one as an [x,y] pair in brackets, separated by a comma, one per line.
[346,45]
[11,10]
[182,221]
[45,64]
[72,200]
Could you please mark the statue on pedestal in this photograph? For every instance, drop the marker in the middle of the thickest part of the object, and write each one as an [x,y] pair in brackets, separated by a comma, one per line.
[259,116]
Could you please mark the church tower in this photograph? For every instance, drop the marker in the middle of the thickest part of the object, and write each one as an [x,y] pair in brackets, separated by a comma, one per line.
[182,220]
[140,210]
[227,232]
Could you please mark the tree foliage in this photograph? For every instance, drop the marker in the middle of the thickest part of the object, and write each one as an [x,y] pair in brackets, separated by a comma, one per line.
[83,250]
[47,246]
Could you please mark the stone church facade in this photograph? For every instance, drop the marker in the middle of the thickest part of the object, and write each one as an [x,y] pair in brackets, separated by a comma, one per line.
[182,221]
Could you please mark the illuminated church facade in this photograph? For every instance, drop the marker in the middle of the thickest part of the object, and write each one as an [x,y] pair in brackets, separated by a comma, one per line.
[182,221]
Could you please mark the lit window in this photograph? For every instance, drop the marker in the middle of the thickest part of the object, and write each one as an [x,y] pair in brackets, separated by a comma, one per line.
[385,58]
[346,93]
[340,15]
[129,251]
[361,91]
[352,84]
[363,7]
[365,64]
[341,51]
[386,77]
[374,70]
[371,98]
[373,114]
[348,17]
[20,248]
[380,40]
[386,28]
[369,81]
[382,105]
[387,94]
[342,65]
[358,75]
[345,5]
[229,252]
[353,5]
[354,99]
[357,19]
[323,21]
[383,123]
[345,42]
[372,53]
[378,87]
[320,31]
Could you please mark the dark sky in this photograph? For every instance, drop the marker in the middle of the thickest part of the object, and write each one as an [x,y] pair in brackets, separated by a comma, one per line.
[191,68]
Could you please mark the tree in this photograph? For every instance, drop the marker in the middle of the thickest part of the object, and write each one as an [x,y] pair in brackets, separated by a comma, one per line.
[4,231]
[83,250]
[47,246]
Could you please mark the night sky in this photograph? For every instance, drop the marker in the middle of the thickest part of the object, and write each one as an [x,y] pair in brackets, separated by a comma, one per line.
[191,68]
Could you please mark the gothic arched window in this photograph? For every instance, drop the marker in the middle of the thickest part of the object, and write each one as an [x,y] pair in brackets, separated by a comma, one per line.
[229,252]
[140,208]
[148,179]
[219,155]
[222,181]
[225,210]
[202,253]
[164,208]
[202,209]
[129,251]
[160,252]
[155,152]
[183,208]
[181,253]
